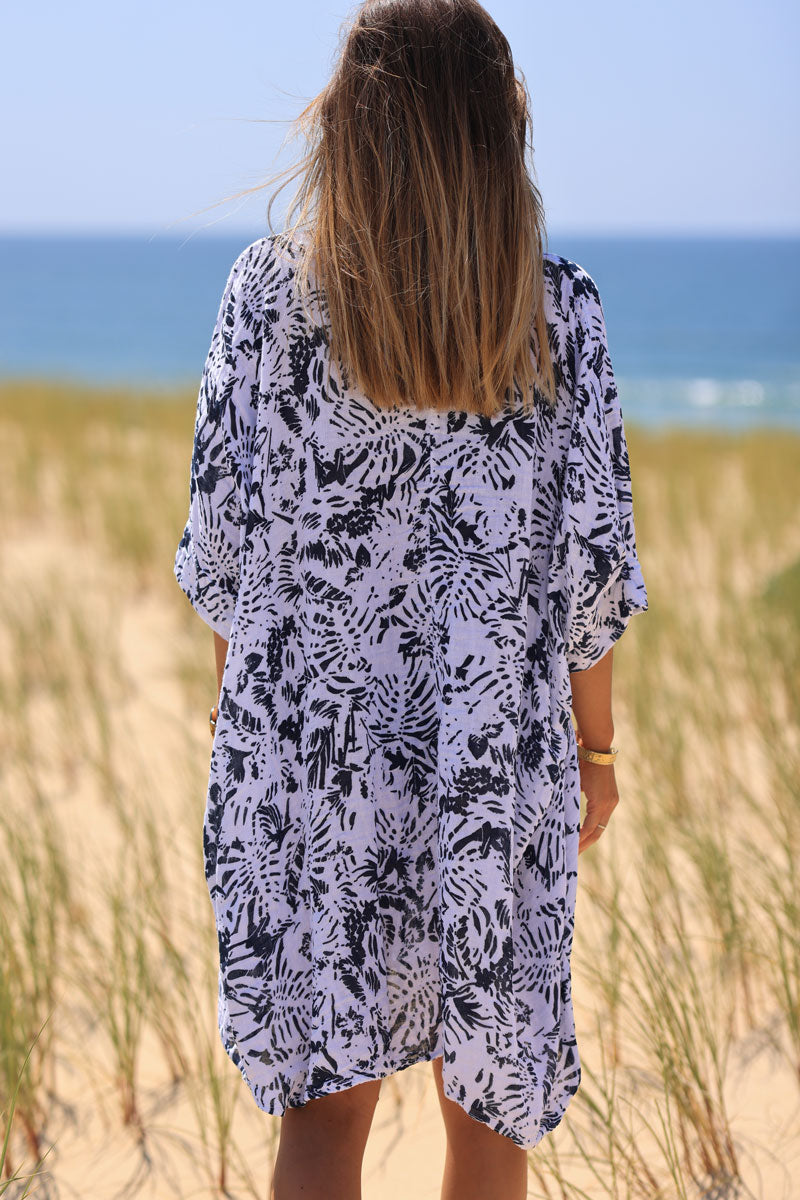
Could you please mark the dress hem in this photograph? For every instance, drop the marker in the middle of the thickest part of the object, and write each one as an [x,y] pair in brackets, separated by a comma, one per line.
[277,1108]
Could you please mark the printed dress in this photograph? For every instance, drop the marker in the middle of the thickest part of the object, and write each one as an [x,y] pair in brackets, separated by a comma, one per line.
[391,826]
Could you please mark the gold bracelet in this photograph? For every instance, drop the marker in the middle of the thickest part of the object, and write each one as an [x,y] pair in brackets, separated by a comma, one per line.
[604,757]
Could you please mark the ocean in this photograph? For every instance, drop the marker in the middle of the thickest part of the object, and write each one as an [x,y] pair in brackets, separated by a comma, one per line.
[703,331]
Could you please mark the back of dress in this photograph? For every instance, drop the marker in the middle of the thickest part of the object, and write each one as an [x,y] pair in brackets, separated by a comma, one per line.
[391,829]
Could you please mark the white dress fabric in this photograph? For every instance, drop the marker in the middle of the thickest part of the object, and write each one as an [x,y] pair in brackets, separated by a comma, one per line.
[391,827]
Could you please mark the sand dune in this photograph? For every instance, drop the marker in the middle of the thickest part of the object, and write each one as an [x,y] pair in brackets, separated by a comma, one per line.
[686,966]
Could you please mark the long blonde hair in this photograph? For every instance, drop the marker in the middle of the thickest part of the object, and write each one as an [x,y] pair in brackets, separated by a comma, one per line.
[421,225]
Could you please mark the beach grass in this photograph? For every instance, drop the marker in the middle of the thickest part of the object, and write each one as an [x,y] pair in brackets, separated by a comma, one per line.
[686,961]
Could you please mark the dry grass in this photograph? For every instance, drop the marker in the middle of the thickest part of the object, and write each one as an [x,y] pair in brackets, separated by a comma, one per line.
[686,962]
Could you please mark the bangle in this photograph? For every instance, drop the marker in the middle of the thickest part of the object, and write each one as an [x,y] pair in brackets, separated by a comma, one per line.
[603,757]
[212,718]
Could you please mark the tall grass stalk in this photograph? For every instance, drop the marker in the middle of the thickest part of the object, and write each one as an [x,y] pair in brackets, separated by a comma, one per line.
[115,978]
[11,1178]
[675,1008]
[34,934]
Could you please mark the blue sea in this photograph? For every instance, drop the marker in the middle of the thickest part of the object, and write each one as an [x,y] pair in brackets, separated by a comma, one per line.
[703,331]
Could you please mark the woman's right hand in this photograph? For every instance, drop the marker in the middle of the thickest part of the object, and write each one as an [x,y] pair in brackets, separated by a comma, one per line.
[599,785]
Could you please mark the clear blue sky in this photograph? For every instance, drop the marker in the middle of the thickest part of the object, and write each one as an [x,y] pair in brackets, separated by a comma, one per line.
[680,117]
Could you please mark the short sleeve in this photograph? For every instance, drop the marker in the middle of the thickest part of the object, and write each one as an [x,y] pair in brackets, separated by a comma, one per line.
[596,582]
[207,559]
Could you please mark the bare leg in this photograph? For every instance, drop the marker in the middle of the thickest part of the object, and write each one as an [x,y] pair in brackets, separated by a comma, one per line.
[321,1150]
[480,1163]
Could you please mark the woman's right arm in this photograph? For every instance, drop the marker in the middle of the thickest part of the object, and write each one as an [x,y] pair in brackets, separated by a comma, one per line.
[595,579]
[591,704]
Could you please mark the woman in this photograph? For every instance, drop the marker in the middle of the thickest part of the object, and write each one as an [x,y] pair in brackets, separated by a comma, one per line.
[411,532]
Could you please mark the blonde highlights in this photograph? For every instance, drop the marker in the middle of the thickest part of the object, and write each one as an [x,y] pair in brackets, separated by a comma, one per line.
[420,224]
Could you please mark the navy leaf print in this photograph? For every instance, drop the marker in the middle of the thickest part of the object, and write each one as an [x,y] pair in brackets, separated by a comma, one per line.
[391,827]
